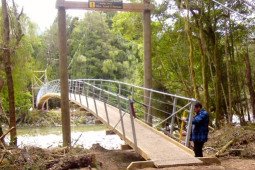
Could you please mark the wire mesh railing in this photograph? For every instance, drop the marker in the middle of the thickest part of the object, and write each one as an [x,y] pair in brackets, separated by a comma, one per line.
[161,110]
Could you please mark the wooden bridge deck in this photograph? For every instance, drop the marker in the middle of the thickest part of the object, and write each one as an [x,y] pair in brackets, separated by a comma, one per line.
[152,144]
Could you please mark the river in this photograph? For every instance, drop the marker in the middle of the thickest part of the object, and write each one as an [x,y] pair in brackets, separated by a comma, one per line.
[85,136]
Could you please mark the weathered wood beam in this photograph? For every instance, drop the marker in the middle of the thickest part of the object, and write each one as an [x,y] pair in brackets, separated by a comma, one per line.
[131,7]
[109,132]
[210,160]
[141,165]
[125,147]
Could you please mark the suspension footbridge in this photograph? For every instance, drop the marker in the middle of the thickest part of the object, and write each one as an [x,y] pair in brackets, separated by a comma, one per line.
[120,107]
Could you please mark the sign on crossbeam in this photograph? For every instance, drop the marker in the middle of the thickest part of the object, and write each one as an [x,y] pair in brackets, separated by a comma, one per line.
[110,4]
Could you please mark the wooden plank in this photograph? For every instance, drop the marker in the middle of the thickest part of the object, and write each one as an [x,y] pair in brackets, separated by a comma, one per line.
[125,147]
[131,7]
[109,132]
[97,122]
[210,160]
[166,137]
[89,114]
[141,165]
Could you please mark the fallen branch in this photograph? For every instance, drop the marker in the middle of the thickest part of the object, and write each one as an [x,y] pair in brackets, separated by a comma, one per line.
[2,158]
[6,133]
[224,147]
[77,140]
[223,154]
[211,128]
[4,114]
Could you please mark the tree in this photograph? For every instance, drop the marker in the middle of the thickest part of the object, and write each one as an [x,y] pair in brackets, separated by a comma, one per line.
[8,70]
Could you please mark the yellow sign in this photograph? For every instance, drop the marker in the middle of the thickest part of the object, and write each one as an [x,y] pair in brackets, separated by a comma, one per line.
[110,4]
[92,4]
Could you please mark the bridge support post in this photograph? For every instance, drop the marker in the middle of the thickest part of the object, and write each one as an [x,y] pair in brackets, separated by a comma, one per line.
[65,112]
[147,58]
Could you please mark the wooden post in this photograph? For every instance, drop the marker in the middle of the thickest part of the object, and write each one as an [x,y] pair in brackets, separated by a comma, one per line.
[147,57]
[65,113]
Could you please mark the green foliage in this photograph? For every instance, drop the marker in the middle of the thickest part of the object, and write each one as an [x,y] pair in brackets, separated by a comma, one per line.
[99,52]
[22,64]
[109,45]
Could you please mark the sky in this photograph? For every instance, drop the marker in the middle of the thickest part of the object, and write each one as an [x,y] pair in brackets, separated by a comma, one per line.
[43,12]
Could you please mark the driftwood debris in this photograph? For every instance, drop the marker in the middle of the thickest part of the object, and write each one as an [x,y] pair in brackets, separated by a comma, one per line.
[7,133]
[77,161]
[224,148]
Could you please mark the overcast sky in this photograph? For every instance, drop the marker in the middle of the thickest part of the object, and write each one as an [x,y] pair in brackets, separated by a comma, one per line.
[43,12]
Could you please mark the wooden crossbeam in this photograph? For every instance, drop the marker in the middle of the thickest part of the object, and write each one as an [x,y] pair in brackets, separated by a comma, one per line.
[129,7]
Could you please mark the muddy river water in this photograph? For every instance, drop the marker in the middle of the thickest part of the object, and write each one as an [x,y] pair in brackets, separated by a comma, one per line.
[85,136]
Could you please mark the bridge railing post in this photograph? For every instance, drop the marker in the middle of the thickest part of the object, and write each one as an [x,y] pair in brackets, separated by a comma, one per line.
[75,87]
[189,129]
[121,118]
[149,109]
[70,88]
[132,92]
[100,89]
[133,127]
[79,92]
[119,89]
[94,98]
[109,88]
[173,117]
[86,95]
[105,107]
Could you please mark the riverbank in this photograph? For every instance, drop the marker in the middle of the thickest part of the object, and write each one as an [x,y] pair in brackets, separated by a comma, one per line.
[46,118]
[238,152]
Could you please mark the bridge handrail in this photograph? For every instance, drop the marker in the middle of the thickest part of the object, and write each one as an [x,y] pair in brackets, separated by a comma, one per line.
[143,88]
[120,100]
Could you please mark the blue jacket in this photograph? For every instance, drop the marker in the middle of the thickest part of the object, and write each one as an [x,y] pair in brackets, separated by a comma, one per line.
[200,127]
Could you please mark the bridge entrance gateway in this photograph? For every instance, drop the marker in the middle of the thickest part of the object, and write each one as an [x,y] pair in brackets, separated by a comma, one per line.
[120,106]
[124,108]
[100,5]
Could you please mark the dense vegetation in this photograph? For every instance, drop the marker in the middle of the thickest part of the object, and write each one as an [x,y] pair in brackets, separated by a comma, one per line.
[199,50]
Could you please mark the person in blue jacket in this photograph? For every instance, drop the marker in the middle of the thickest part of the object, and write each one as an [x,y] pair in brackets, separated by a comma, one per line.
[200,130]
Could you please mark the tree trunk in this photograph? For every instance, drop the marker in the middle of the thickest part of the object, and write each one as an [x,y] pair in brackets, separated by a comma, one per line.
[8,70]
[191,57]
[218,91]
[228,75]
[1,119]
[249,82]
[204,60]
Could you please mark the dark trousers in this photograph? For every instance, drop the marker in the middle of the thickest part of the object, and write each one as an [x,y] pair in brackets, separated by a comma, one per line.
[198,149]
